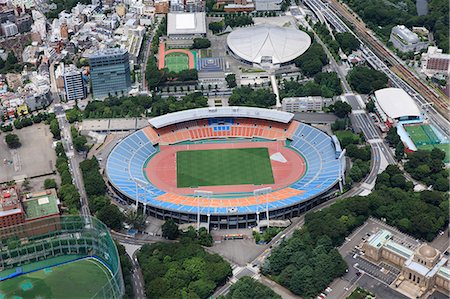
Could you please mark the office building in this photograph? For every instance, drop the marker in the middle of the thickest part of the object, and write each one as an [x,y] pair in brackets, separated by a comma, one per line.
[9,29]
[24,23]
[304,104]
[405,40]
[74,85]
[110,73]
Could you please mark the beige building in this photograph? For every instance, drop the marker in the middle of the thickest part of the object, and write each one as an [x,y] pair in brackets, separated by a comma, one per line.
[422,270]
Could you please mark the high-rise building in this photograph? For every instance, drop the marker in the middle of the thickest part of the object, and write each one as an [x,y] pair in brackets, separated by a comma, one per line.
[9,29]
[110,72]
[24,22]
[74,86]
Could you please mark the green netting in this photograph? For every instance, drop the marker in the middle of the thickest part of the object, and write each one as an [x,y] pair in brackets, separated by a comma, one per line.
[47,242]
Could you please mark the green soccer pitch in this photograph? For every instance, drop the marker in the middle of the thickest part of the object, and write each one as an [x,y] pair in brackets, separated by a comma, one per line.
[224,167]
[78,279]
[176,62]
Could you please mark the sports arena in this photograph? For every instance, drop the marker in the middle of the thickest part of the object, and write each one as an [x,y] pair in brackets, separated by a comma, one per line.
[226,167]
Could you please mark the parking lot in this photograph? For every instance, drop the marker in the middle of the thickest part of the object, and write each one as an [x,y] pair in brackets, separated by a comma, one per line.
[35,157]
[375,277]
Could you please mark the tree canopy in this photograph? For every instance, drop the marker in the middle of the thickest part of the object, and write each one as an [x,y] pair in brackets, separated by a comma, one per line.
[347,42]
[248,288]
[366,80]
[428,166]
[312,61]
[170,229]
[307,262]
[201,43]
[247,96]
[231,80]
[181,270]
[325,84]
[381,16]
[13,141]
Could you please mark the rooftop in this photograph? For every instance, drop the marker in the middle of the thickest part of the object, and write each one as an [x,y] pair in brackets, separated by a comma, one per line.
[41,204]
[377,240]
[279,44]
[396,103]
[192,114]
[186,23]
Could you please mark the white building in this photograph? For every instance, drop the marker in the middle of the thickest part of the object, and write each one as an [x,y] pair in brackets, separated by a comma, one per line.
[186,25]
[267,46]
[9,29]
[394,104]
[303,104]
[405,40]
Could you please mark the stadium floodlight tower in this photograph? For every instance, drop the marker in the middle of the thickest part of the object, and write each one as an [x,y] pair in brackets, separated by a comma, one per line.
[258,193]
[202,194]
[342,170]
[145,186]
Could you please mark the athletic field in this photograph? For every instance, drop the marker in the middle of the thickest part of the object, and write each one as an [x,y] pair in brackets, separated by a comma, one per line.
[223,167]
[176,62]
[443,146]
[79,279]
[422,135]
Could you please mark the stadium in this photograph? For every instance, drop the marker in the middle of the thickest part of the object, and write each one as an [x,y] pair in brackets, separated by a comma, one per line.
[226,167]
[59,257]
[267,45]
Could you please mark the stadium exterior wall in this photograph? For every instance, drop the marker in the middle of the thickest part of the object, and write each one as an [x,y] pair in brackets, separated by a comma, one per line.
[232,221]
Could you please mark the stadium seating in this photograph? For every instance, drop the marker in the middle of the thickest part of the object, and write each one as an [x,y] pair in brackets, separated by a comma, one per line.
[128,159]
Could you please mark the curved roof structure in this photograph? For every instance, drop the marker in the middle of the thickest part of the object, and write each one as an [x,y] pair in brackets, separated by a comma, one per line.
[396,103]
[192,114]
[278,43]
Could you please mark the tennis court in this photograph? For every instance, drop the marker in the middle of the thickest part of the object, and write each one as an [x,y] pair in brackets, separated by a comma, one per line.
[422,135]
[78,279]
[176,62]
[224,167]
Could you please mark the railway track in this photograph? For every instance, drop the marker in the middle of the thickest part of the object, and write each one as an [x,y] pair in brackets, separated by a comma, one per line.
[440,102]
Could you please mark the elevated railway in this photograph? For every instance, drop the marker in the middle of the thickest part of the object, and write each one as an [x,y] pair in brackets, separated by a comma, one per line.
[440,102]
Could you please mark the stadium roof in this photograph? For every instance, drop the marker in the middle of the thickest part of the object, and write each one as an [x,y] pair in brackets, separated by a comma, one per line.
[396,103]
[186,23]
[192,114]
[280,43]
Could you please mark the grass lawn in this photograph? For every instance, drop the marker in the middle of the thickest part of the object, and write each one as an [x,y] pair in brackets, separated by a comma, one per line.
[79,279]
[224,167]
[422,135]
[176,62]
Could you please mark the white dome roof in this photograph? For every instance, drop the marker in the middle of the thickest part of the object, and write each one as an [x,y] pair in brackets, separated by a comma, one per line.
[280,43]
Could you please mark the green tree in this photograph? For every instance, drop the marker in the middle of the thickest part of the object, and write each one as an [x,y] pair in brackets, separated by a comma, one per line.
[54,129]
[216,27]
[341,109]
[312,61]
[347,41]
[135,218]
[170,229]
[248,288]
[49,184]
[96,203]
[201,43]
[231,80]
[12,140]
[111,216]
[366,80]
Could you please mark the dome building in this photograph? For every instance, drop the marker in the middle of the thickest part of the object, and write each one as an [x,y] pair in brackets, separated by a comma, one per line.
[267,46]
